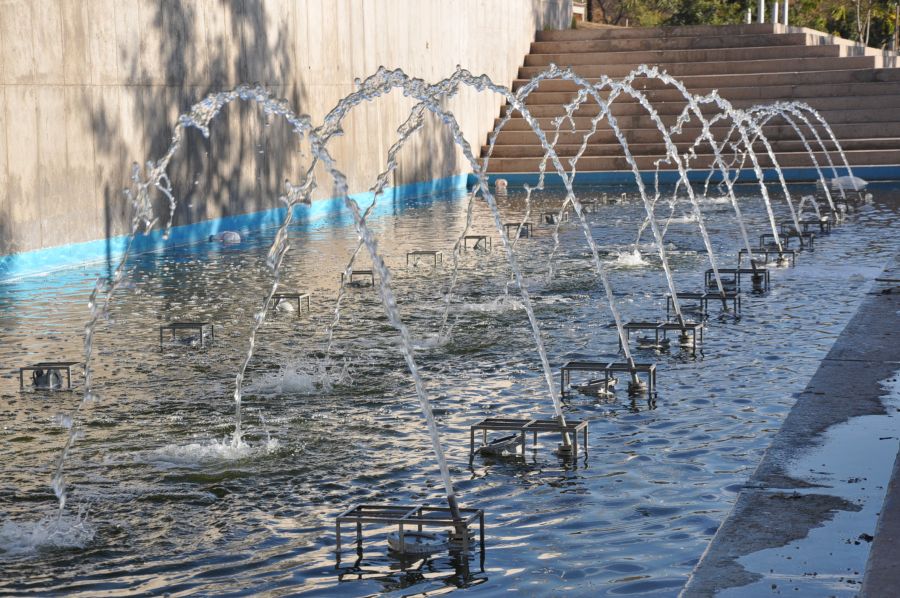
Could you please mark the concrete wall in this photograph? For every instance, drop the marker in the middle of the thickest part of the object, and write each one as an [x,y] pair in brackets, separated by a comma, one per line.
[89,86]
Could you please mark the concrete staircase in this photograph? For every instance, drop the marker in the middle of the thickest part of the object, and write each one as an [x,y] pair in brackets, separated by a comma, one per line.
[856,89]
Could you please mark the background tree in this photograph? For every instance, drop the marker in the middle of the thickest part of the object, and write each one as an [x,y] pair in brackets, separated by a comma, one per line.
[868,21]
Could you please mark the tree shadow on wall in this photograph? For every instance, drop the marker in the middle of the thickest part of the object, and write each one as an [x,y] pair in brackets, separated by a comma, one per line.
[431,153]
[240,168]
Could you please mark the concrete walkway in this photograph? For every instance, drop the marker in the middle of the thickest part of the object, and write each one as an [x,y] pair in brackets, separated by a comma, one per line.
[805,521]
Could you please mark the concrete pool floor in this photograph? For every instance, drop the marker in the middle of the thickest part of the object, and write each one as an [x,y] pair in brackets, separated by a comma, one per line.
[805,522]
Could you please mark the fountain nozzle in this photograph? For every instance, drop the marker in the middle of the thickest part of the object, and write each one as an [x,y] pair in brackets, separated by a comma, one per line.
[46,380]
[636,387]
[757,278]
[566,451]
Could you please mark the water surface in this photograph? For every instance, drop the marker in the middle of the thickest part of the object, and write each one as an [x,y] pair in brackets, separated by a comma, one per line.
[171,508]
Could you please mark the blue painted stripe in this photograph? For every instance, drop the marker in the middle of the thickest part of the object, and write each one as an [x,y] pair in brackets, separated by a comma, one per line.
[330,210]
[626,177]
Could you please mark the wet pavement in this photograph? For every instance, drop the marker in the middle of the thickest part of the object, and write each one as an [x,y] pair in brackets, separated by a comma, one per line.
[822,503]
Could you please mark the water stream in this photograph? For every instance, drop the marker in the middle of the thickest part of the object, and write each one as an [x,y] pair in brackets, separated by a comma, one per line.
[360,428]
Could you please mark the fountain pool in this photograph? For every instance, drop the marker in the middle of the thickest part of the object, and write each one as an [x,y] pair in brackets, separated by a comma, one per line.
[170,505]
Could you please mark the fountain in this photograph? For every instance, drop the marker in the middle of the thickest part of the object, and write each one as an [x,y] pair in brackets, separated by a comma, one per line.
[284,297]
[409,518]
[47,375]
[204,331]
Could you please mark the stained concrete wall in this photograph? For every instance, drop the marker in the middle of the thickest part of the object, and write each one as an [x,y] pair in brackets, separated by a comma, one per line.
[87,87]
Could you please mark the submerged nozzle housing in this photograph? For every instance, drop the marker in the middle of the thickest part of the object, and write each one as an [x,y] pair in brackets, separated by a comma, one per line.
[636,387]
[757,278]
[566,451]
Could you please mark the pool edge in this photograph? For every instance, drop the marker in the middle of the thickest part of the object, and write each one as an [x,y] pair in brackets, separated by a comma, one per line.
[768,513]
[51,259]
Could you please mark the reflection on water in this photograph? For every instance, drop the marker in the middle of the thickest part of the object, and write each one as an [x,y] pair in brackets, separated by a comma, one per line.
[168,507]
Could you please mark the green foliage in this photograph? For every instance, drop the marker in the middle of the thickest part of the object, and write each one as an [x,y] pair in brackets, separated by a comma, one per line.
[868,21]
[648,13]
[709,12]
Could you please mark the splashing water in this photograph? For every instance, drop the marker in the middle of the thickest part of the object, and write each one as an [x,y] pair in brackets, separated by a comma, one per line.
[501,304]
[305,377]
[54,531]
[433,341]
[630,259]
[686,219]
[208,451]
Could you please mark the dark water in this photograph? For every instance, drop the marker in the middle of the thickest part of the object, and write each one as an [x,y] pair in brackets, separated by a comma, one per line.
[170,509]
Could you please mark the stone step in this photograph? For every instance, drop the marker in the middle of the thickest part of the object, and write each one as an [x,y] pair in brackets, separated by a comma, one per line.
[659,149]
[678,56]
[645,121]
[754,94]
[702,162]
[628,106]
[673,43]
[655,32]
[684,69]
[690,133]
[722,81]
[746,64]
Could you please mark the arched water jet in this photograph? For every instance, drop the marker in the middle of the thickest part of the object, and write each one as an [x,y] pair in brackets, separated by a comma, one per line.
[727,178]
[143,217]
[405,131]
[593,91]
[804,107]
[443,89]
[801,109]
[479,84]
[626,87]
[414,88]
[733,114]
[378,84]
[448,119]
[694,107]
[673,154]
[739,118]
[784,111]
[200,117]
[758,135]
[517,104]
